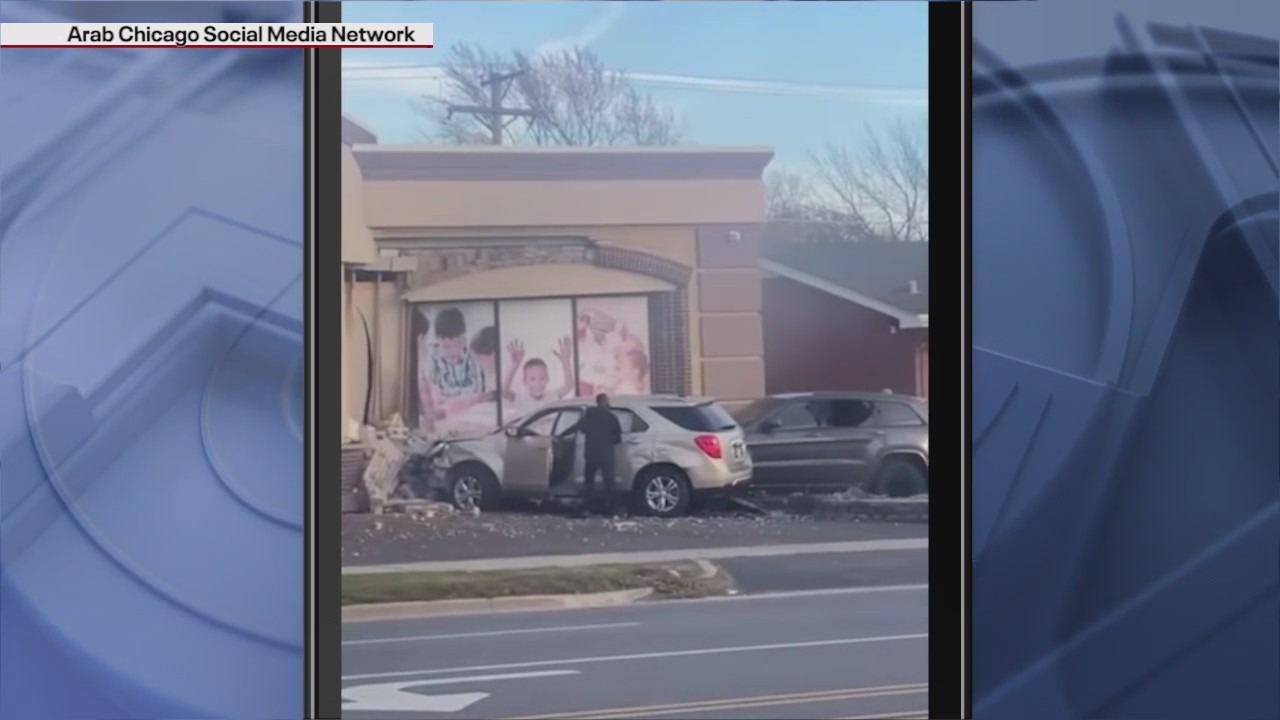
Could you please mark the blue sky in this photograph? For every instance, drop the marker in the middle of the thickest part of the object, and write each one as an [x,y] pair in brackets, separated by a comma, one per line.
[791,75]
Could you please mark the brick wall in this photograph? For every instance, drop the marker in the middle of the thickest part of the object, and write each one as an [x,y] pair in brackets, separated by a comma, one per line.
[816,341]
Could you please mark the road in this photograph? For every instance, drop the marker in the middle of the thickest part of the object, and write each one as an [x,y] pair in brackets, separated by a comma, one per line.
[819,571]
[841,653]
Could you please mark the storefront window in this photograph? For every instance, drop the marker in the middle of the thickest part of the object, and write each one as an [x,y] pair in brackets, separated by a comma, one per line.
[537,346]
[613,345]
[454,386]
[479,364]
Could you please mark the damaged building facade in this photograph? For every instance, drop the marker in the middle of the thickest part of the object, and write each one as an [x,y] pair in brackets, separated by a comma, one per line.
[480,282]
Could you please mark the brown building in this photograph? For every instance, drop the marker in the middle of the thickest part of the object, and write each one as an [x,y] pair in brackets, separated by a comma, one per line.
[842,315]
[531,272]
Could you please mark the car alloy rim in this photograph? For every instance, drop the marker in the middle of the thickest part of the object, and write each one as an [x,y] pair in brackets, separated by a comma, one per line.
[662,494]
[467,492]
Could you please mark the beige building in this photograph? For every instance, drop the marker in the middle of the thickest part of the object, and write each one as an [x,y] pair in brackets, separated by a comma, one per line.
[548,257]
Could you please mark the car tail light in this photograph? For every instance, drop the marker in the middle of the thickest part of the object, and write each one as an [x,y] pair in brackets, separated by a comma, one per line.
[710,445]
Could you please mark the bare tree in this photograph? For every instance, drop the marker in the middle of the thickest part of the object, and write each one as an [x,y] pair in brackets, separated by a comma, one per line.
[883,183]
[788,195]
[575,99]
[791,198]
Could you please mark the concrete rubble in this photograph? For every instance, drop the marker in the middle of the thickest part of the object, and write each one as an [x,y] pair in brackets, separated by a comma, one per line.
[854,505]
[382,474]
[385,482]
[858,506]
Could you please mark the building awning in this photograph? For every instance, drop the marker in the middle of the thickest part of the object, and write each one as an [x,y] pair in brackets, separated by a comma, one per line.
[534,281]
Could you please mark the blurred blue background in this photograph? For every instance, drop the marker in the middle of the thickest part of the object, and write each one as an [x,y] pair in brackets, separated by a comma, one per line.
[151,479]
[1126,360]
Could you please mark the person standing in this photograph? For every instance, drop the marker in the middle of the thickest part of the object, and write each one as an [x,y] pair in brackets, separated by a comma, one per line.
[601,435]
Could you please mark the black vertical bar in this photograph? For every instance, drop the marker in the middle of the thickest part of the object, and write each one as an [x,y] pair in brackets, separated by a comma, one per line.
[948,500]
[966,437]
[324,320]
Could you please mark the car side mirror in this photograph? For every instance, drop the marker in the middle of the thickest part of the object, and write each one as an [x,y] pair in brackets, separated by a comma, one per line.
[514,432]
[769,426]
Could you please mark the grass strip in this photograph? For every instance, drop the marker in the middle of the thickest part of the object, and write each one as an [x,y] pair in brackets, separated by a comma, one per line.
[668,580]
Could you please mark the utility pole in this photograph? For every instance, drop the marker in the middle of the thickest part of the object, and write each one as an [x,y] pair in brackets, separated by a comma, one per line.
[494,114]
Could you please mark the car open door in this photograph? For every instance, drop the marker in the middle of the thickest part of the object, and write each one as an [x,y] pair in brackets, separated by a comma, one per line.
[566,457]
[526,461]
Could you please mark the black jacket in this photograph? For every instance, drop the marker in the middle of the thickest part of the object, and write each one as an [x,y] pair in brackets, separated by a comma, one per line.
[601,433]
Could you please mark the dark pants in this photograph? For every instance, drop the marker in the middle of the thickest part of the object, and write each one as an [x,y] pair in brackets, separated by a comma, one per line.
[605,468]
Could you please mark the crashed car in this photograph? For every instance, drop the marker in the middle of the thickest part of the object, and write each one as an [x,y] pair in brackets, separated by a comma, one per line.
[673,451]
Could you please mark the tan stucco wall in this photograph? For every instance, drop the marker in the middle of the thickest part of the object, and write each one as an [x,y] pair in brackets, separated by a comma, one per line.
[731,341]
[357,241]
[384,312]
[514,204]
[663,218]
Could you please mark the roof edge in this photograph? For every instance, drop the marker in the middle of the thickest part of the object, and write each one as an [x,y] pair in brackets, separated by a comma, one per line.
[479,163]
[354,133]
[906,320]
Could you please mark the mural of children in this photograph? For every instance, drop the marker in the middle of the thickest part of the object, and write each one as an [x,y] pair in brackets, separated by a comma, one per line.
[484,346]
[598,345]
[632,371]
[536,376]
[456,380]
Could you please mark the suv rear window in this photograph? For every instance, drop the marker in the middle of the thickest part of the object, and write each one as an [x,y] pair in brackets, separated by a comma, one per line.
[698,418]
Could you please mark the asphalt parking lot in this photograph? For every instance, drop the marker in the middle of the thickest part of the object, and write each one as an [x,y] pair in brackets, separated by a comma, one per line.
[394,539]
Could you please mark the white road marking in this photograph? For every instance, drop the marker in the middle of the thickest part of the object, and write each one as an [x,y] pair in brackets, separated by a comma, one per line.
[787,594]
[644,656]
[491,633]
[394,696]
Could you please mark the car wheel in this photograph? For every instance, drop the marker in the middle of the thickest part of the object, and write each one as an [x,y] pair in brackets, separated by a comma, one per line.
[899,477]
[473,487]
[662,492]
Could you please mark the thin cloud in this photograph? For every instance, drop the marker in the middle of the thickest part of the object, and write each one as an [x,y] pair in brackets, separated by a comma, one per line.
[592,31]
[894,96]
[417,80]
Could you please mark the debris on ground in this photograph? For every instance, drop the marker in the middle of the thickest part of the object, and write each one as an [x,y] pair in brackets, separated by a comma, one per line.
[400,538]
[853,504]
[419,509]
[860,506]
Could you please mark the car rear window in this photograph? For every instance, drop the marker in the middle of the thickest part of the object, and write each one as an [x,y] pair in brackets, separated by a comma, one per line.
[698,418]
[754,410]
[893,414]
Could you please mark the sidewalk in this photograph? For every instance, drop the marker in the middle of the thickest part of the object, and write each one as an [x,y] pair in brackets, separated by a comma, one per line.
[661,556]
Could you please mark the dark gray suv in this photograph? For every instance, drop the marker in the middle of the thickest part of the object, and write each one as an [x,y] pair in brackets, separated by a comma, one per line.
[838,440]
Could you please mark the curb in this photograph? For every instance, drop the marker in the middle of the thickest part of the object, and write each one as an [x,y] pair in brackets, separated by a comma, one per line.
[480,606]
[644,557]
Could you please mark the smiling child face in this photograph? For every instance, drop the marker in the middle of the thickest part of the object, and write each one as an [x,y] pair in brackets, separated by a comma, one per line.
[536,380]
